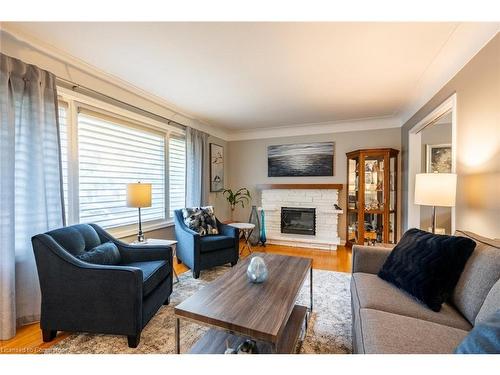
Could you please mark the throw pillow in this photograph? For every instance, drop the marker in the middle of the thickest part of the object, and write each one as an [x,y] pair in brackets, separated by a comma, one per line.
[484,338]
[427,265]
[106,253]
[200,219]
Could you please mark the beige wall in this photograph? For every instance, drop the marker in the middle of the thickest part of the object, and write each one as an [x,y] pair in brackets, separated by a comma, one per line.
[248,161]
[477,87]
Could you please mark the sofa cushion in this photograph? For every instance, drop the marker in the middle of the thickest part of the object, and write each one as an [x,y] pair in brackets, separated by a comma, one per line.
[427,265]
[76,239]
[490,305]
[369,291]
[484,337]
[481,271]
[215,242]
[153,273]
[386,333]
[106,253]
[200,219]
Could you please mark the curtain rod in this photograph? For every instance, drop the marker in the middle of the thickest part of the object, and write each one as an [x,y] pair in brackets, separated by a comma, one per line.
[75,86]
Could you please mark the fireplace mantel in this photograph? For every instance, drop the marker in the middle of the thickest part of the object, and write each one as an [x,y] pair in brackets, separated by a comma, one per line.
[299,186]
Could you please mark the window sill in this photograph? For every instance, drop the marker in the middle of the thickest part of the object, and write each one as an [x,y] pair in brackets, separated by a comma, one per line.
[131,230]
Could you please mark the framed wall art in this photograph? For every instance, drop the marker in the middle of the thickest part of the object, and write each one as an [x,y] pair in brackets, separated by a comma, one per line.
[216,167]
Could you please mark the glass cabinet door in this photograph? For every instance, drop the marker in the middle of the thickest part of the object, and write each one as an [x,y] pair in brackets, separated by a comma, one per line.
[352,200]
[374,199]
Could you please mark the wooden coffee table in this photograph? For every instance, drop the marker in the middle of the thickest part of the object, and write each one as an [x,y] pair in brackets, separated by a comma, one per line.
[237,309]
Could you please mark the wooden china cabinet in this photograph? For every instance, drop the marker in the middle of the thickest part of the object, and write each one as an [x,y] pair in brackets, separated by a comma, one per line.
[372,196]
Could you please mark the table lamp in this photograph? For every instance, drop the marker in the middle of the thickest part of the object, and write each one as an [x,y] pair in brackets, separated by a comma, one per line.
[139,196]
[435,189]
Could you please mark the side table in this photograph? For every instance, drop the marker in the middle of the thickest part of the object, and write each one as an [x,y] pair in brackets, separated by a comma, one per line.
[154,242]
[246,229]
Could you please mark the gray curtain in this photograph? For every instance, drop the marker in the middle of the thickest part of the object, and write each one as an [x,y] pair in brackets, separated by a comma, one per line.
[30,185]
[197,164]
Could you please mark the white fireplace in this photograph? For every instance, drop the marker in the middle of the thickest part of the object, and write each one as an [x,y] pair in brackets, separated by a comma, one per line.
[319,200]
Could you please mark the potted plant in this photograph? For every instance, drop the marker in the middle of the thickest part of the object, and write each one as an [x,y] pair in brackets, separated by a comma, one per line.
[241,196]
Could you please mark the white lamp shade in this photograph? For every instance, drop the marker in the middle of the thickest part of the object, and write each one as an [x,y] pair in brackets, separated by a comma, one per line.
[139,195]
[436,189]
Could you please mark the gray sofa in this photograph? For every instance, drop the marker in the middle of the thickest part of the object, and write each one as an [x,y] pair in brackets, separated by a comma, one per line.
[387,320]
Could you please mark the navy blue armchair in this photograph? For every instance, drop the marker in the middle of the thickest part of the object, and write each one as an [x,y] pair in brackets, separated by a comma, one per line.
[204,252]
[113,299]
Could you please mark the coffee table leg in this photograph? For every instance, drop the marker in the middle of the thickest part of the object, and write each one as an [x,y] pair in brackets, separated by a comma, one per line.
[311,288]
[177,336]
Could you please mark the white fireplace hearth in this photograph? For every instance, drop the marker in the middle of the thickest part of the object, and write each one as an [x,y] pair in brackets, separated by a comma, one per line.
[322,199]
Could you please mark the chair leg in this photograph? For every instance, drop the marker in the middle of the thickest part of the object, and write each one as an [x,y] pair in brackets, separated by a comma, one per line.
[48,335]
[133,340]
[167,301]
[196,274]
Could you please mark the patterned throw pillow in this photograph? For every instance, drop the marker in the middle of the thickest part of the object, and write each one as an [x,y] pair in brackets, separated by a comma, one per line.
[201,220]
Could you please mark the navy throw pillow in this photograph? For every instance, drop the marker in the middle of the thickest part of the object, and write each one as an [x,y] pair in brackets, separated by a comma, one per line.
[484,337]
[106,253]
[427,265]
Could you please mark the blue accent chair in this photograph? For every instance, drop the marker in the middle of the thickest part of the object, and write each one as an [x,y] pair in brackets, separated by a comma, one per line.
[204,252]
[113,299]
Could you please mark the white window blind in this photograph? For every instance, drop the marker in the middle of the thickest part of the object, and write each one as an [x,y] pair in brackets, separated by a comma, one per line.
[112,154]
[63,136]
[177,173]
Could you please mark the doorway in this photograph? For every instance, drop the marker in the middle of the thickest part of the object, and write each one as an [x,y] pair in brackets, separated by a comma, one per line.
[432,148]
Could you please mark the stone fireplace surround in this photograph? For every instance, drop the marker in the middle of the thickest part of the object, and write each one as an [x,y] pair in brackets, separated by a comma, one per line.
[322,197]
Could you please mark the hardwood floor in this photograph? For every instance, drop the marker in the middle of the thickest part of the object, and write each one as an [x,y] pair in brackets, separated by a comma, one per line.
[28,339]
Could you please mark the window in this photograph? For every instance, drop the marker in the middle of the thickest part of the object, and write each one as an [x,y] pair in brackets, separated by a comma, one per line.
[110,151]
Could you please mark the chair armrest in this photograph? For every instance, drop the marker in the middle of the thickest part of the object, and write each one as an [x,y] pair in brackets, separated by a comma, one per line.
[369,259]
[144,253]
[136,253]
[227,230]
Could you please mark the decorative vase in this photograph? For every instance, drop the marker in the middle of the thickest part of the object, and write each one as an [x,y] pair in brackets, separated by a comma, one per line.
[254,219]
[257,270]
[263,238]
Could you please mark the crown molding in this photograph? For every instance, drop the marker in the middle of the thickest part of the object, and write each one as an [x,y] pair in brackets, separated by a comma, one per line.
[462,45]
[168,110]
[372,123]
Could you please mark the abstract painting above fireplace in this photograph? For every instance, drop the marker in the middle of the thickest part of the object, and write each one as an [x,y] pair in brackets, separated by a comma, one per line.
[298,160]
[298,220]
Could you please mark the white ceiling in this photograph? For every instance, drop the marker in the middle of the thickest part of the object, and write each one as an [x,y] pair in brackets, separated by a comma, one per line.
[262,75]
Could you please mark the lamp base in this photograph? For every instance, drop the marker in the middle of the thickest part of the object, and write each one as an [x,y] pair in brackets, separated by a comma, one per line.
[140,237]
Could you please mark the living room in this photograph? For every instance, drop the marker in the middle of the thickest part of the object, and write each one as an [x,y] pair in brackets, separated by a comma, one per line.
[259,186]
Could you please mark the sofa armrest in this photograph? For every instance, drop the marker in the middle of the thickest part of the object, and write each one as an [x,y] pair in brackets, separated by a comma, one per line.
[369,259]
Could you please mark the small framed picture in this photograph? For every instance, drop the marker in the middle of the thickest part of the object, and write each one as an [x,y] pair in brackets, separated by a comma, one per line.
[438,158]
[216,167]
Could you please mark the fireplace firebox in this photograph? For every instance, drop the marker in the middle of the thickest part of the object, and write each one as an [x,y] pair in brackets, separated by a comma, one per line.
[298,220]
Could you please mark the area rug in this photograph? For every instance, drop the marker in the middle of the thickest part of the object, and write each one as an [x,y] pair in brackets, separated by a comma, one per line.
[329,330]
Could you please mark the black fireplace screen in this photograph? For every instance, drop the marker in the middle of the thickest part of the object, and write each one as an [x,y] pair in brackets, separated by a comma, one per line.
[298,220]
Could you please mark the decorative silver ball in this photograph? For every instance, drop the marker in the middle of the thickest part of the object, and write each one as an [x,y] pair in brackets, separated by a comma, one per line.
[257,270]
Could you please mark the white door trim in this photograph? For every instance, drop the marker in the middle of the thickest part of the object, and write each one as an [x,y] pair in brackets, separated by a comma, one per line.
[415,156]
